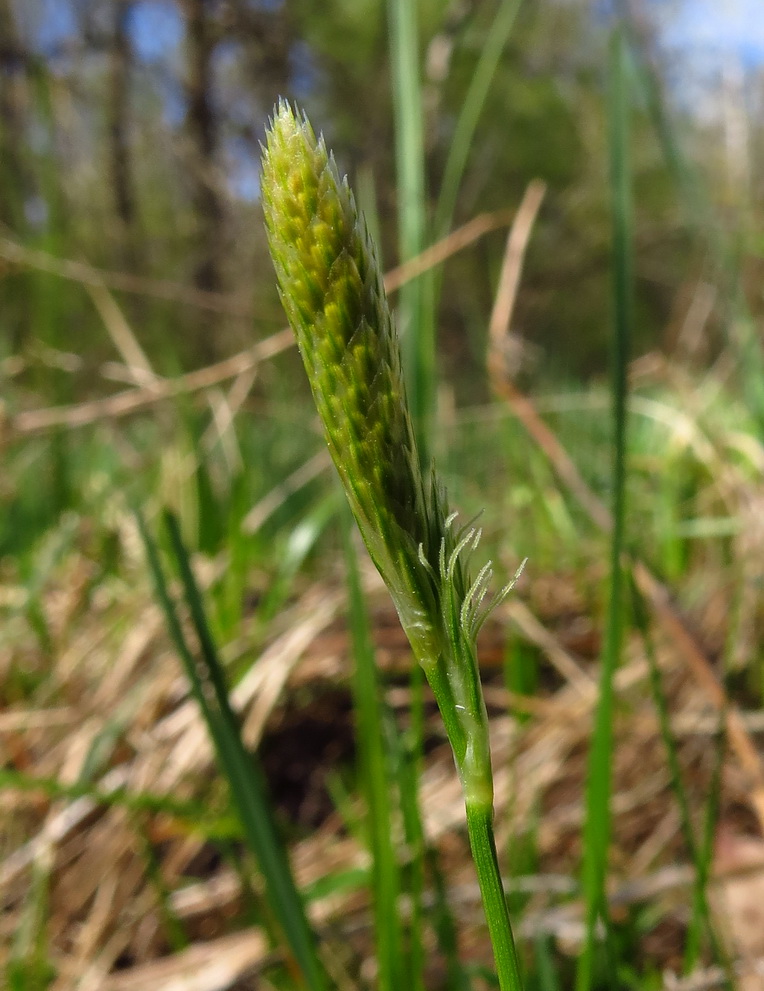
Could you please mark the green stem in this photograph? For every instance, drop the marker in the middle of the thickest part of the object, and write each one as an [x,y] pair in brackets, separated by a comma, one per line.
[597,825]
[480,829]
[416,316]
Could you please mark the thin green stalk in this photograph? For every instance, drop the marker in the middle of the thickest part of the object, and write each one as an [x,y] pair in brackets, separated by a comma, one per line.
[705,857]
[700,856]
[245,777]
[598,785]
[28,964]
[445,927]
[375,778]
[705,853]
[462,142]
[415,305]
[483,846]
[409,767]
[545,965]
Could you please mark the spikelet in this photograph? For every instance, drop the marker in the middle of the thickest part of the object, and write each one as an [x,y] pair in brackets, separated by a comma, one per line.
[332,291]
[331,288]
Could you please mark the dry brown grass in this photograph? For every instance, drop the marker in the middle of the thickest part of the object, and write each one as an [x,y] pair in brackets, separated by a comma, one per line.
[116,674]
[109,676]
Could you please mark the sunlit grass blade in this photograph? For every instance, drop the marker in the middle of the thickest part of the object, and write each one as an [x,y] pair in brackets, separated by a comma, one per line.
[375,778]
[245,778]
[700,853]
[416,322]
[597,825]
[408,767]
[462,143]
[416,319]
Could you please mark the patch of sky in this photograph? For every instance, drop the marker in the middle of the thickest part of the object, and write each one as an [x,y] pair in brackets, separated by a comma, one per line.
[701,32]
[174,103]
[709,31]
[36,212]
[227,55]
[156,29]
[231,88]
[709,50]
[304,71]
[270,6]
[242,170]
[49,25]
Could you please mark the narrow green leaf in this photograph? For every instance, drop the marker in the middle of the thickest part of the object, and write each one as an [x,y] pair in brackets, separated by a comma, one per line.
[483,846]
[700,853]
[415,307]
[598,785]
[462,143]
[245,778]
[375,779]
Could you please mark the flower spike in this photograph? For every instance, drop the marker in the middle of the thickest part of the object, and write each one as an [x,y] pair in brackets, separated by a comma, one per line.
[332,290]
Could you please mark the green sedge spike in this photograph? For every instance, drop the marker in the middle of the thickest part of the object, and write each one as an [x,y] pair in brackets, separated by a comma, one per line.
[331,288]
[332,291]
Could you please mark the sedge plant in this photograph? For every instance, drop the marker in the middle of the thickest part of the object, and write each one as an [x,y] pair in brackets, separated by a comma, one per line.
[331,288]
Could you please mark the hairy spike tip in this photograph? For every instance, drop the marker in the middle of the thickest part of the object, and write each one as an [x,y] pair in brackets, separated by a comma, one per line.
[331,287]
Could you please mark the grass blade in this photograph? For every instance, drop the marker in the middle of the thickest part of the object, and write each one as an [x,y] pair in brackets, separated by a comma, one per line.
[416,319]
[464,132]
[700,854]
[28,966]
[700,909]
[375,777]
[246,780]
[599,785]
[408,766]
[547,978]
[416,323]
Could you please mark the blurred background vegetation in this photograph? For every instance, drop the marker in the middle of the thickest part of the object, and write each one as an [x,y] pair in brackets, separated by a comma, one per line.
[130,138]
[130,141]
[133,267]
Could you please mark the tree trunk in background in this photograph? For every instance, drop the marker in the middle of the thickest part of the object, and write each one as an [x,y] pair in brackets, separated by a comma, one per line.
[203,129]
[268,38]
[14,185]
[119,122]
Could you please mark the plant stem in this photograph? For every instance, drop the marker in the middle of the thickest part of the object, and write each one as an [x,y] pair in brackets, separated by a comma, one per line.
[480,829]
[416,316]
[334,296]
[597,825]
